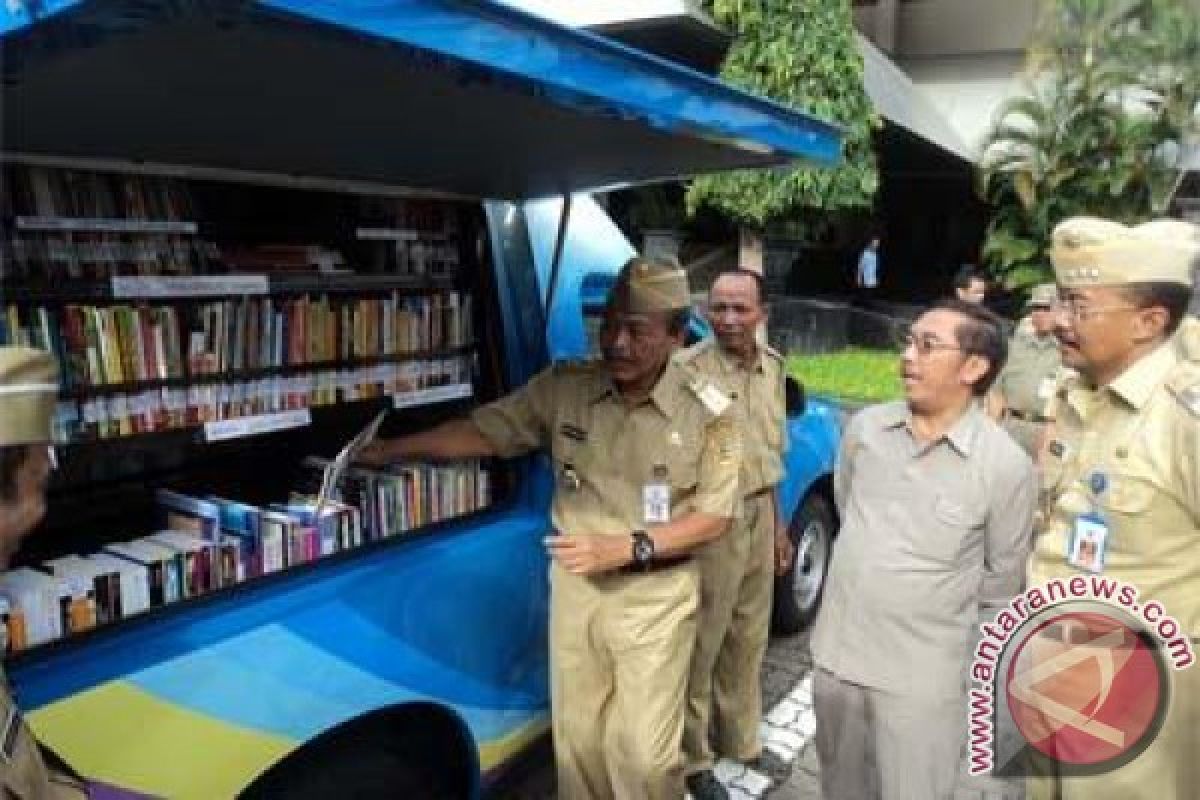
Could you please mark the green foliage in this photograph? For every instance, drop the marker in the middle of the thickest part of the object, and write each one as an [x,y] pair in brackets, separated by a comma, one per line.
[856,373]
[801,53]
[1110,112]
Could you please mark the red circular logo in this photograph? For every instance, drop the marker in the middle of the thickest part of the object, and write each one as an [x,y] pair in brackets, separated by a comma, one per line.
[1084,688]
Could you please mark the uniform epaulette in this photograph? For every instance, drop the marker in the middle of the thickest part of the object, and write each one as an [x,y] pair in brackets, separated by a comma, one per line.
[710,395]
[773,353]
[1184,385]
[688,354]
[1188,339]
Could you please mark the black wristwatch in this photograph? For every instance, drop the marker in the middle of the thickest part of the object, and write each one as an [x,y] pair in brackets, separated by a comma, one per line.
[643,549]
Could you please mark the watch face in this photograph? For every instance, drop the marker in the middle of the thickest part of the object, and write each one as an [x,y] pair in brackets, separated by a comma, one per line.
[643,549]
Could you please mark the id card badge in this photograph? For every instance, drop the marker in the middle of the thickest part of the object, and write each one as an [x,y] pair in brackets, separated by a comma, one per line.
[656,499]
[1088,543]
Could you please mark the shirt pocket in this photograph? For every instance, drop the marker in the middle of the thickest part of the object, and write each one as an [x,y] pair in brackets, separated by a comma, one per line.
[1129,495]
[951,525]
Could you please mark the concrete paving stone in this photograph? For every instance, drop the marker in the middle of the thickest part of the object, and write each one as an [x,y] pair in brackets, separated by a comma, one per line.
[784,714]
[755,783]
[786,740]
[806,723]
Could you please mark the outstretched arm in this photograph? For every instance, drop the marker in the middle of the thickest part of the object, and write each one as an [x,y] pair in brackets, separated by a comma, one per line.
[458,438]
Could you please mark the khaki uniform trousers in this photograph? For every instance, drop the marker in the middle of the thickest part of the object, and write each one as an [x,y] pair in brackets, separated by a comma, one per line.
[737,576]
[620,646]
[1168,769]
[874,745]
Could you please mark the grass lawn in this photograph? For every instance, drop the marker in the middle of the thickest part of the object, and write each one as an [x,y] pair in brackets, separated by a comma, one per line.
[854,374]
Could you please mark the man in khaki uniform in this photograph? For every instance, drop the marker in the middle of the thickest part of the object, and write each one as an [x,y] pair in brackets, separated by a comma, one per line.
[936,504]
[646,460]
[28,392]
[1125,449]
[1029,376]
[737,571]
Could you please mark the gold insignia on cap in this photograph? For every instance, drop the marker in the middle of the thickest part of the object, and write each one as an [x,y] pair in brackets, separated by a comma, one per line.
[1094,251]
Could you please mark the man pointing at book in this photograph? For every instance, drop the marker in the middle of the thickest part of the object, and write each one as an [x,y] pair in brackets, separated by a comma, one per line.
[646,462]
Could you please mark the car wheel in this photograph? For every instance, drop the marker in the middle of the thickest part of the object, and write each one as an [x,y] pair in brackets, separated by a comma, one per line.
[798,593]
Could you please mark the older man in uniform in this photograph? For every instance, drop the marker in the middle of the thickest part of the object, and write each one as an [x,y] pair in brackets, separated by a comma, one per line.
[28,392]
[1122,466]
[936,504]
[737,571]
[1026,383]
[647,459]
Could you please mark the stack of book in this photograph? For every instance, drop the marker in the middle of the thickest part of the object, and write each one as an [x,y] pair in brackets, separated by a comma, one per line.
[211,543]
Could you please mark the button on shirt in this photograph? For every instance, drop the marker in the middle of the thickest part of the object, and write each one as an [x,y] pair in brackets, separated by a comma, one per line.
[605,452]
[758,402]
[934,538]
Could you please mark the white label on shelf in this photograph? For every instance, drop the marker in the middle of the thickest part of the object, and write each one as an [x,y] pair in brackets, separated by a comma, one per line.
[105,225]
[432,394]
[252,426]
[387,234]
[188,285]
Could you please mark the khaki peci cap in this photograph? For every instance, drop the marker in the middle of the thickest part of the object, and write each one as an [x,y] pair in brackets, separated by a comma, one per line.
[646,285]
[1044,295]
[28,395]
[1088,251]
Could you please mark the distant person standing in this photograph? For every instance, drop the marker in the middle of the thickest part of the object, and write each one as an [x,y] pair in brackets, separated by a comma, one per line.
[737,573]
[970,284]
[1026,384]
[866,279]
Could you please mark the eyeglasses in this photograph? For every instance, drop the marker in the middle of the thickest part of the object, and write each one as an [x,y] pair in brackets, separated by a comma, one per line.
[1071,307]
[925,343]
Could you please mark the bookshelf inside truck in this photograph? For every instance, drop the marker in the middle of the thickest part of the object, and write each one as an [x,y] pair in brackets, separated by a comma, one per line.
[235,280]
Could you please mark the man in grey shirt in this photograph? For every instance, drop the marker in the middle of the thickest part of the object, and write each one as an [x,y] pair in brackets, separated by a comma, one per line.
[936,503]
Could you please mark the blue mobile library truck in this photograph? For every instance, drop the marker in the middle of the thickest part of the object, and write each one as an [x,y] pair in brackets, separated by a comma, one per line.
[245,228]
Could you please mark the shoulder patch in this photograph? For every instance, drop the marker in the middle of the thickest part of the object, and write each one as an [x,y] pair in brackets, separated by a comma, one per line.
[1188,338]
[1185,386]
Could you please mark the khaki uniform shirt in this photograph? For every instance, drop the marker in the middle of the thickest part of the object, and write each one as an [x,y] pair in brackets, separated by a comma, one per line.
[23,773]
[758,402]
[1138,441]
[1028,378]
[605,453]
[934,538]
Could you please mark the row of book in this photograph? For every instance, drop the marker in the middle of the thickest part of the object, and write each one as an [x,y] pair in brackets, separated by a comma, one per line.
[119,344]
[212,543]
[100,254]
[162,409]
[53,192]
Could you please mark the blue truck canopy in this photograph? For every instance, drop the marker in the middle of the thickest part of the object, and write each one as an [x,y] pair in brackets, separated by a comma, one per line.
[474,99]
